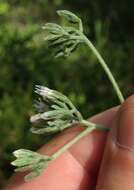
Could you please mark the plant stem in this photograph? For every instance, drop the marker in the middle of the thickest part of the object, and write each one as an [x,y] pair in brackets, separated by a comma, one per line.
[90,124]
[80,25]
[89,128]
[73,141]
[106,69]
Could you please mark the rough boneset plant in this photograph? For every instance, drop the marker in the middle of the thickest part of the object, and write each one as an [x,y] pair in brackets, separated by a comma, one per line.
[55,111]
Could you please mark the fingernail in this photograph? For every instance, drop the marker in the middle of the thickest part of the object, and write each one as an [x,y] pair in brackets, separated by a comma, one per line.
[124,134]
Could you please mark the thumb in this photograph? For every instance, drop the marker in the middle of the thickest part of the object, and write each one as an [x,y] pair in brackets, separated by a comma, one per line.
[117,169]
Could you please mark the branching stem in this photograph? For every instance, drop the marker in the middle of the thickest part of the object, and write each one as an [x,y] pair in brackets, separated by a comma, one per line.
[89,128]
[73,141]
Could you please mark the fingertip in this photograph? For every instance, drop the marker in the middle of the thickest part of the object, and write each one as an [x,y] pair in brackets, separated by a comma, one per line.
[127,104]
[118,159]
[124,126]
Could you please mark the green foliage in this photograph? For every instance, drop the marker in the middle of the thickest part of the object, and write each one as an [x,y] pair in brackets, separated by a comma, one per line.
[25,61]
[4,7]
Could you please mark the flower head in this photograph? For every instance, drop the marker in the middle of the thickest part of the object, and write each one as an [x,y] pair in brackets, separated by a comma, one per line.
[60,112]
[64,39]
[29,160]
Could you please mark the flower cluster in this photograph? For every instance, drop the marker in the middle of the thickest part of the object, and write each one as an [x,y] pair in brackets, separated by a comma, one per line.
[56,112]
[64,39]
[29,160]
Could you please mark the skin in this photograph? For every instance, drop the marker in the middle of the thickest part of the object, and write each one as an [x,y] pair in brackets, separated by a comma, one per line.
[96,162]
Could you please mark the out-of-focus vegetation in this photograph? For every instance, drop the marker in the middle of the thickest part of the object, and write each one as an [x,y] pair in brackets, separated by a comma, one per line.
[25,61]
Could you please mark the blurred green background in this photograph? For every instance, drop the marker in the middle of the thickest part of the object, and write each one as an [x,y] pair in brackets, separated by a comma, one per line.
[25,61]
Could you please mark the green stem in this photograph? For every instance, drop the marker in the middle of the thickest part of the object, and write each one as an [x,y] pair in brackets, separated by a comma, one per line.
[106,69]
[89,128]
[80,25]
[73,141]
[90,124]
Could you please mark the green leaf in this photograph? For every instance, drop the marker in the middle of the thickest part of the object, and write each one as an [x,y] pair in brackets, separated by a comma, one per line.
[32,175]
[37,170]
[25,168]
[52,37]
[71,17]
[23,162]
[24,152]
[45,130]
[59,41]
[53,28]
[60,54]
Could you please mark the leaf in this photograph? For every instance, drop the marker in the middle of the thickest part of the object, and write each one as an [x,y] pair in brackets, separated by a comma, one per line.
[45,130]
[54,28]
[55,107]
[59,41]
[22,162]
[23,169]
[32,175]
[37,170]
[51,37]
[24,152]
[60,54]
[71,17]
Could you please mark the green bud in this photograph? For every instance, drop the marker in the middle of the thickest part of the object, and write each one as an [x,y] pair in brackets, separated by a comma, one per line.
[29,160]
[64,39]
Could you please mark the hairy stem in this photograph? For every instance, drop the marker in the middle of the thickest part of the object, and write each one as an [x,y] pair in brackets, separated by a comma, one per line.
[89,128]
[73,141]
[106,69]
